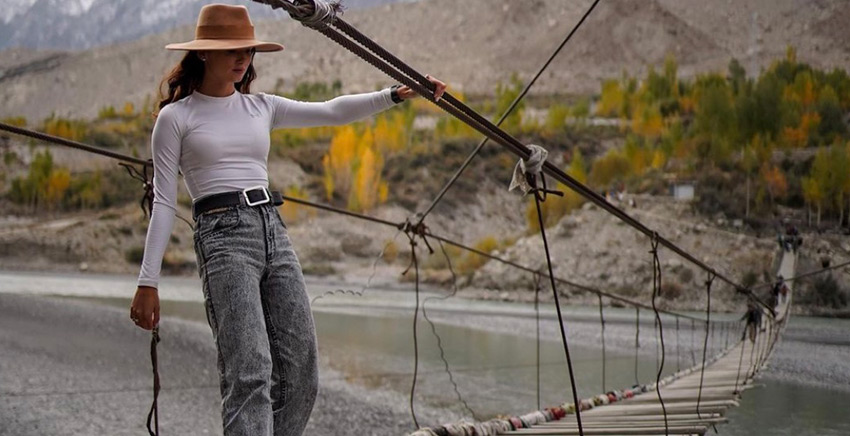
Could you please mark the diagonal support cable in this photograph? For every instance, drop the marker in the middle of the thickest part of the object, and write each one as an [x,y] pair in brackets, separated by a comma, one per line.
[507,112]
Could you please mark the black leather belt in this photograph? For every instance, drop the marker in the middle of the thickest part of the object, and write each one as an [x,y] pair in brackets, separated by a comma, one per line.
[246,197]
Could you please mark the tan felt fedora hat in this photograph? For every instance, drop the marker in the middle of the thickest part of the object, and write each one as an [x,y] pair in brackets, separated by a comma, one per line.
[224,27]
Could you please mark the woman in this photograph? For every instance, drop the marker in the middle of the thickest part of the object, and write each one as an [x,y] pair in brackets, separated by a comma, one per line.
[216,132]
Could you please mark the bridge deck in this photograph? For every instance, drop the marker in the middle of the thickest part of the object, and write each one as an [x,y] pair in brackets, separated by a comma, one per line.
[689,411]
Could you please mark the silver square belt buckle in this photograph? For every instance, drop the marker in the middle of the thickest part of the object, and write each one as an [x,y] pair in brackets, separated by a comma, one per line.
[261,201]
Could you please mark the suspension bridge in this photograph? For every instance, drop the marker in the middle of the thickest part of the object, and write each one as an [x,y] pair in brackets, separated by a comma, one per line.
[693,401]
[687,402]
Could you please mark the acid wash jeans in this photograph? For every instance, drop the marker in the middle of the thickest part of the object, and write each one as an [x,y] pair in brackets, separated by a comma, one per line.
[259,313]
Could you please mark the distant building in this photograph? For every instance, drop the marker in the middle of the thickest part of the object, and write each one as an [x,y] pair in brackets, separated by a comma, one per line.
[683,191]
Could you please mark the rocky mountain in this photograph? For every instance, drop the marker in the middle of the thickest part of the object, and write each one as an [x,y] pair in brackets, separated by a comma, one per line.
[470,44]
[84,24]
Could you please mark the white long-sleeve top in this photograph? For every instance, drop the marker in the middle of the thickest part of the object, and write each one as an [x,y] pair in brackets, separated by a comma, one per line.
[222,144]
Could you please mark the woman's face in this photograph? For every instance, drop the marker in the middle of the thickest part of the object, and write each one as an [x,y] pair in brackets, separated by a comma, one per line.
[227,65]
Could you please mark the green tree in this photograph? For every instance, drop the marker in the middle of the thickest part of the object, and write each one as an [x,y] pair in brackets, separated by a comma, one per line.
[759,112]
[749,163]
[737,77]
[715,123]
[831,116]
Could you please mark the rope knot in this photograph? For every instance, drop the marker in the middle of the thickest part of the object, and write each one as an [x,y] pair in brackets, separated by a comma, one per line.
[412,231]
[146,202]
[310,13]
[654,244]
[526,172]
[708,282]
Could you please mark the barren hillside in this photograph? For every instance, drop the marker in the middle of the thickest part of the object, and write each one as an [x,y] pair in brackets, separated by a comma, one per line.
[471,44]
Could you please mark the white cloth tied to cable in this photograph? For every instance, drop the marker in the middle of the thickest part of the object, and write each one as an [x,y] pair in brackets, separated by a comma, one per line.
[533,165]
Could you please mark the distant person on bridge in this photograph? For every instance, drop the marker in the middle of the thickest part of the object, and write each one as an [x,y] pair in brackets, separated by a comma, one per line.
[210,127]
[780,290]
[753,321]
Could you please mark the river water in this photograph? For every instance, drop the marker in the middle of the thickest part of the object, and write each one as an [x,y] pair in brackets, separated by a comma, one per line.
[499,366]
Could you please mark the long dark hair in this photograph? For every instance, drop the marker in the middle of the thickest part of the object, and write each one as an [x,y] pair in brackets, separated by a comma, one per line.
[187,75]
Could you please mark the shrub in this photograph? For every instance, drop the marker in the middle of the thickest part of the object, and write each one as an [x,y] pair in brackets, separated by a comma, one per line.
[826,292]
[135,254]
[686,275]
[750,278]
[671,290]
[390,253]
[472,261]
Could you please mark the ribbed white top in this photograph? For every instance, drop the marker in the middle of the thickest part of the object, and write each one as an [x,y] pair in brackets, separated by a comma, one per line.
[222,144]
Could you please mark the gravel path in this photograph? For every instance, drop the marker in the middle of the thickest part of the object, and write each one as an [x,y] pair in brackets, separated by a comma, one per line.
[76,368]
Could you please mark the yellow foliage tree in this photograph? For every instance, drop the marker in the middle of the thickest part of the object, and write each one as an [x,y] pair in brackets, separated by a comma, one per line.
[292,211]
[774,181]
[389,132]
[798,137]
[659,159]
[612,100]
[612,166]
[353,169]
[647,121]
[56,186]
[338,160]
[367,175]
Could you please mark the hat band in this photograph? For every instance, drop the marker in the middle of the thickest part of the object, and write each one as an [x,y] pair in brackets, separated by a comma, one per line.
[224,32]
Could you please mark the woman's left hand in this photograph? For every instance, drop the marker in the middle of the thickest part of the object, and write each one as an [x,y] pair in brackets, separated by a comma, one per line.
[404,92]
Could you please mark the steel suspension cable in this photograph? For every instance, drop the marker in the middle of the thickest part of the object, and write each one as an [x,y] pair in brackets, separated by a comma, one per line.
[73,144]
[804,275]
[428,233]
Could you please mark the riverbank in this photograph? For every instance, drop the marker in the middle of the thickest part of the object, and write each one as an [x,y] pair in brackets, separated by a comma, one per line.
[76,365]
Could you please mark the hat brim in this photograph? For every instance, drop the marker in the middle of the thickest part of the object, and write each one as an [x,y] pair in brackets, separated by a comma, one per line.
[225,44]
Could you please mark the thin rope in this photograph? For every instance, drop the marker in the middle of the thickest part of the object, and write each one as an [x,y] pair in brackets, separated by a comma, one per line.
[507,112]
[678,347]
[602,325]
[804,275]
[415,264]
[705,343]
[656,289]
[741,359]
[439,339]
[368,284]
[693,343]
[537,322]
[537,201]
[153,414]
[637,343]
